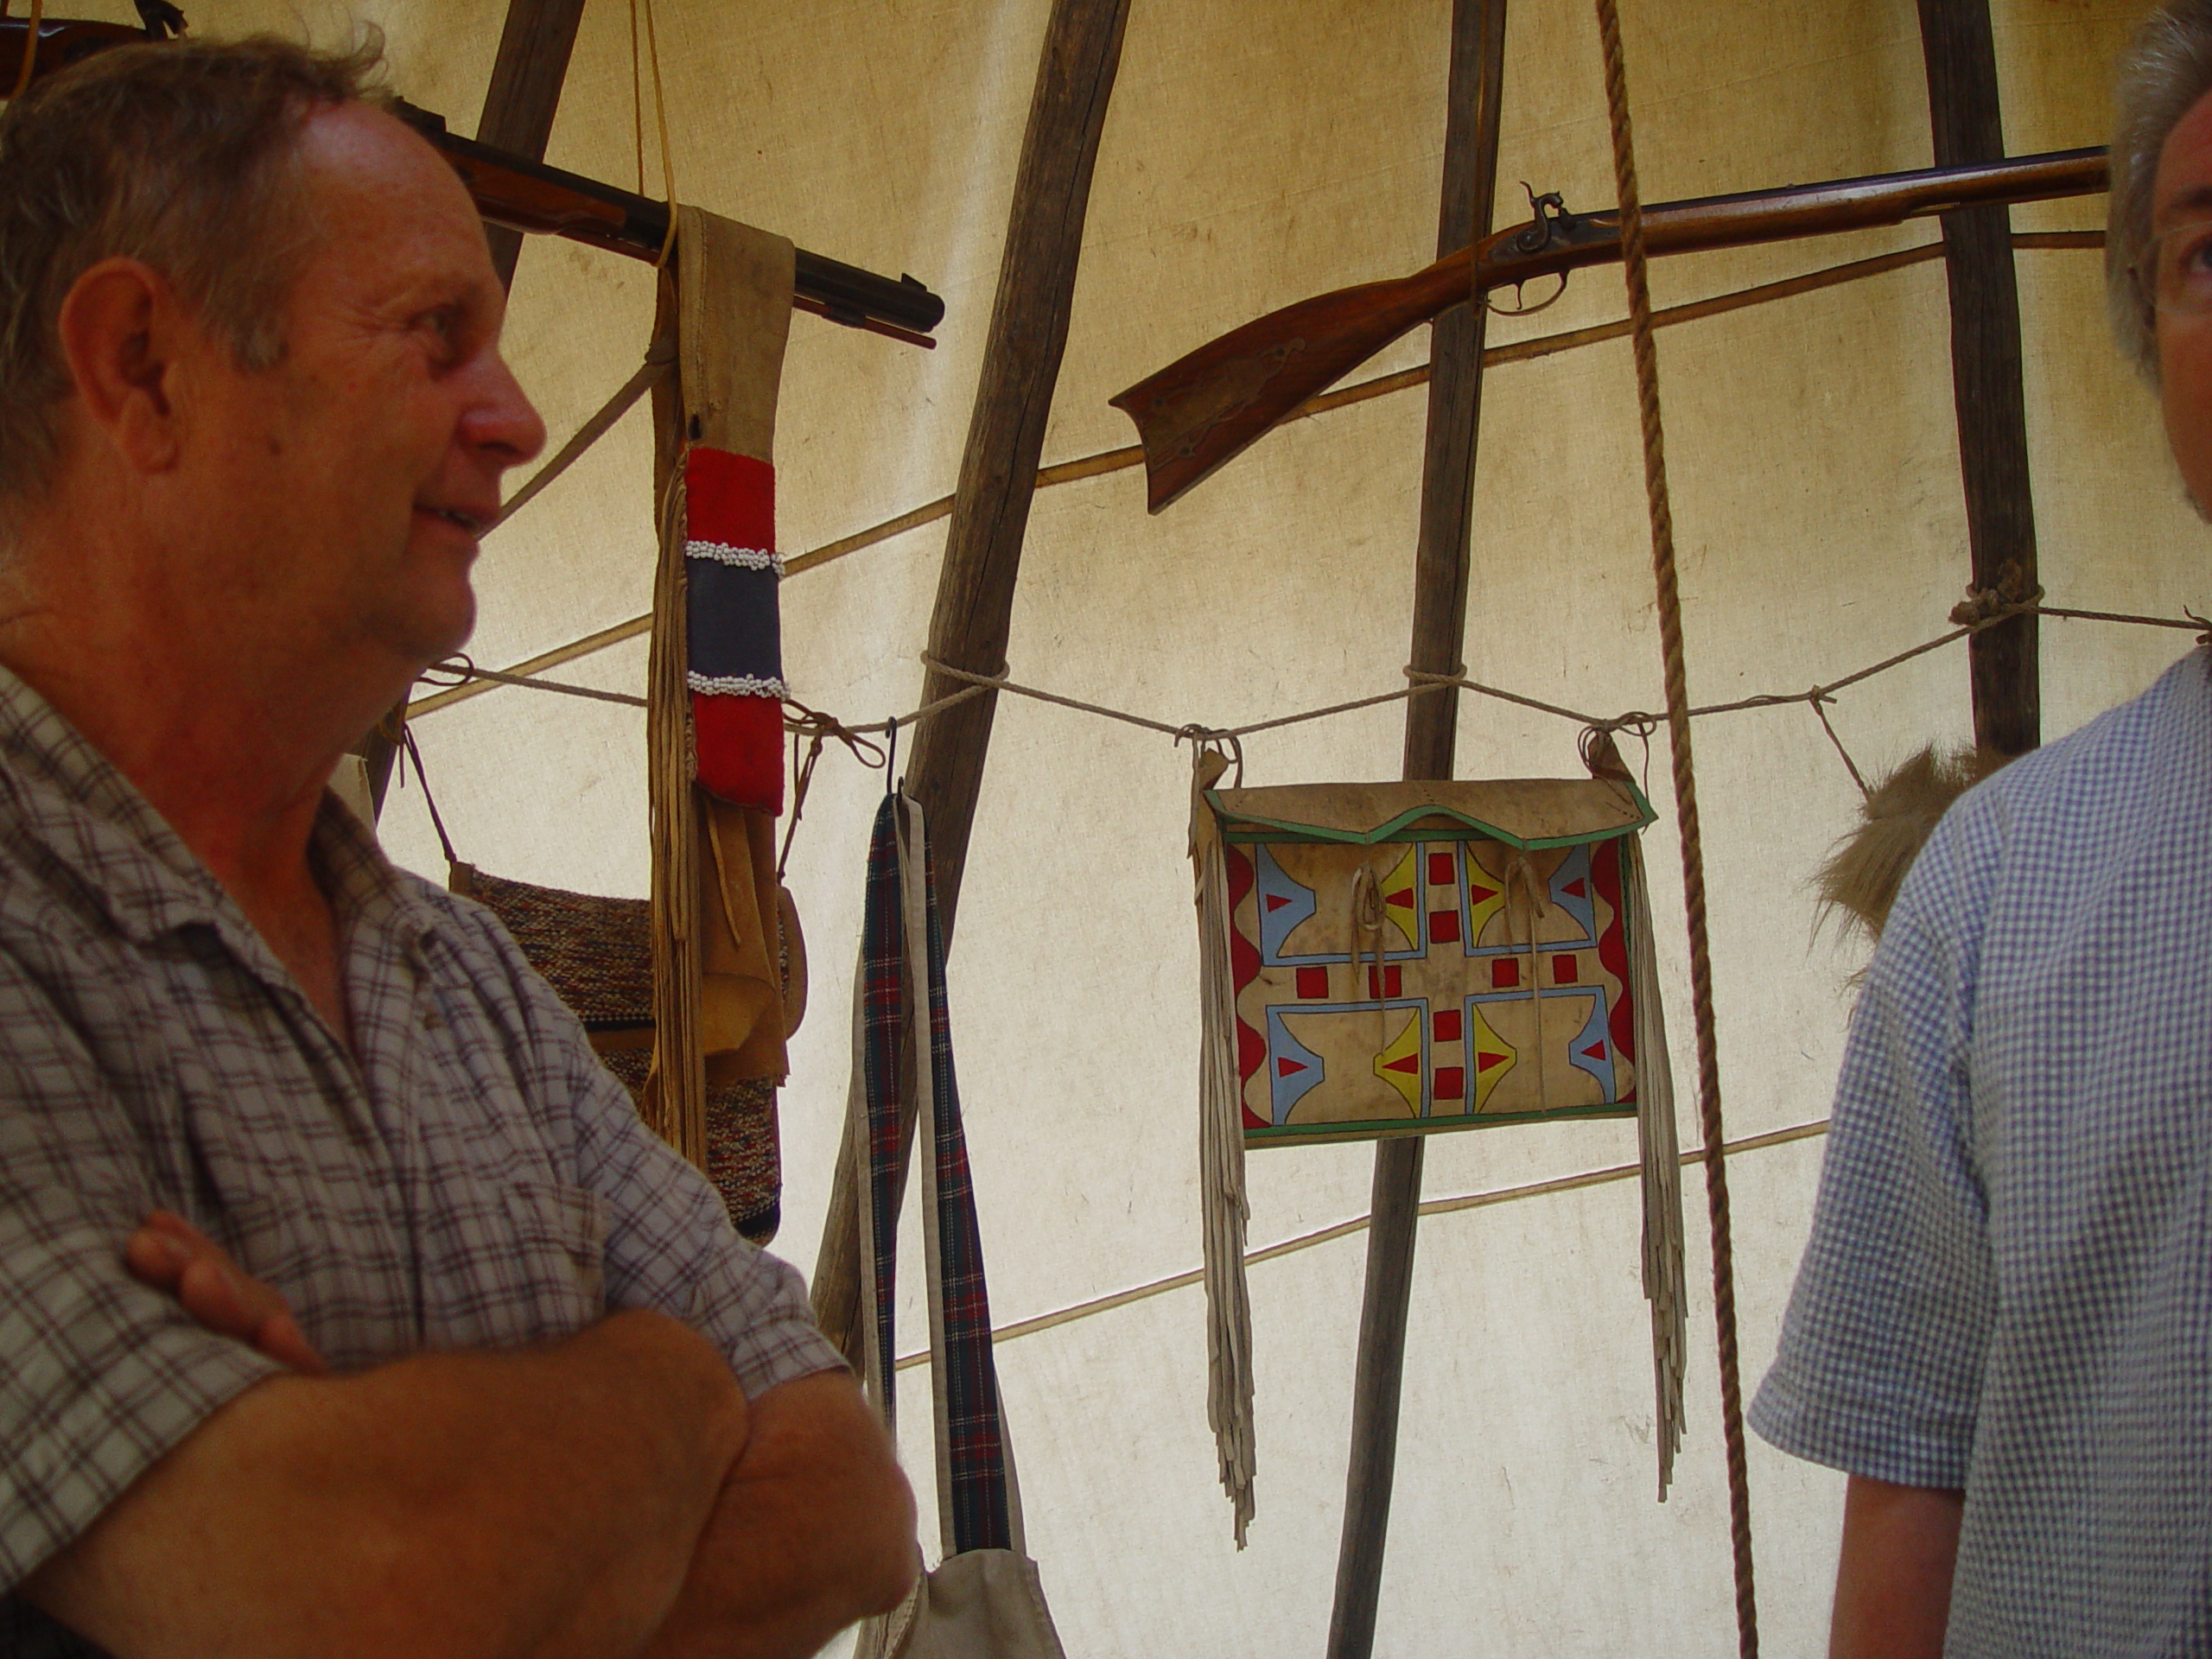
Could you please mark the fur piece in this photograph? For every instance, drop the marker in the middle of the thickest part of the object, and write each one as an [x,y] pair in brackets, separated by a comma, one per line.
[1860,879]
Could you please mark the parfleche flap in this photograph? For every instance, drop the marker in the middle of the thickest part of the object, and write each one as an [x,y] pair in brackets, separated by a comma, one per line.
[1524,812]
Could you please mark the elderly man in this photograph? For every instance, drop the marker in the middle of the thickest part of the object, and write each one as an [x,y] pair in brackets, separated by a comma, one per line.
[531,1393]
[2002,1328]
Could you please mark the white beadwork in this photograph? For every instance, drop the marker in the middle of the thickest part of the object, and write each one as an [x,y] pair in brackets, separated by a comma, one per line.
[744,558]
[738,685]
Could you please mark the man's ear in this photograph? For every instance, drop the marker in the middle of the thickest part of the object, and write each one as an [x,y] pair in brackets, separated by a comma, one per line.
[118,334]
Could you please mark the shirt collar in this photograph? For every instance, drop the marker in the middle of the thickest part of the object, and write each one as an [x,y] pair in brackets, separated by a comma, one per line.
[68,798]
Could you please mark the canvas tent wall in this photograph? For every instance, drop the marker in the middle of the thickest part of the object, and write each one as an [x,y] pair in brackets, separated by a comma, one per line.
[1256,153]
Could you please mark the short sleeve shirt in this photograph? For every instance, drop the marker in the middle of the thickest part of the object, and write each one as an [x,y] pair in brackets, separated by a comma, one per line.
[474,1178]
[2008,1288]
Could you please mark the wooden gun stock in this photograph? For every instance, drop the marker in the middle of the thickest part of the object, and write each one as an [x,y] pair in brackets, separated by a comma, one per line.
[1207,408]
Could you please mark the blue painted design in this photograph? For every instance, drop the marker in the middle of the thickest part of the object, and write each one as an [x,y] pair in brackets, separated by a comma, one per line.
[1595,1035]
[1287,1088]
[1282,906]
[1574,872]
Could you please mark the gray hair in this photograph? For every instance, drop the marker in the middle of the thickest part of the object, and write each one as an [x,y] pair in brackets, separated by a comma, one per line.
[182,154]
[2166,72]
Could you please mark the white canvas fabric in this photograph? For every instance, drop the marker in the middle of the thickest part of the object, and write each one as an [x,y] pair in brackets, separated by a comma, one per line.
[1258,152]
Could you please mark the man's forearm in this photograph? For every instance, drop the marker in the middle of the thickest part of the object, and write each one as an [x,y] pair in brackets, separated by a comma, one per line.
[544,1503]
[814,1529]
[1893,1578]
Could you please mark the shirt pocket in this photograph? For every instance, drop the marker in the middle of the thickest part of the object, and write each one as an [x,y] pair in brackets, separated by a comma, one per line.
[559,1254]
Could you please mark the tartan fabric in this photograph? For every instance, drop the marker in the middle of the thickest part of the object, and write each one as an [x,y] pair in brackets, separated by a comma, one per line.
[469,1176]
[883,1000]
[975,1444]
[971,1384]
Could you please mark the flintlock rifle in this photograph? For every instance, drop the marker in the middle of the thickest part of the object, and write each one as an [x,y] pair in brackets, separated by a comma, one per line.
[1207,408]
[527,195]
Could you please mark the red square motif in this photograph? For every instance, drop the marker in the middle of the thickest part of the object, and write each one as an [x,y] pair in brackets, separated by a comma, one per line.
[1450,1084]
[1564,970]
[1443,870]
[1446,1025]
[1444,927]
[1390,982]
[1313,982]
[1505,973]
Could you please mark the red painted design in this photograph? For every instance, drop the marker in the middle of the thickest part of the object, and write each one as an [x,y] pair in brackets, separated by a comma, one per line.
[1505,973]
[1411,1063]
[1479,895]
[739,742]
[1450,1083]
[1313,983]
[1390,982]
[1446,1026]
[1443,870]
[1285,1067]
[1444,927]
[729,499]
[1276,901]
[1483,1062]
[1575,889]
[1244,969]
[1595,1052]
[1403,900]
[1605,875]
[1565,970]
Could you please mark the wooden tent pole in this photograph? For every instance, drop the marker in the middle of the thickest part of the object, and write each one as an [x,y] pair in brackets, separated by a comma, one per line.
[534,46]
[525,91]
[1962,101]
[1441,570]
[974,614]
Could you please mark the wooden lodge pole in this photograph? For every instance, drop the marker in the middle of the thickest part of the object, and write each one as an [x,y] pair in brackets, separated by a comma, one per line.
[525,91]
[1962,102]
[973,614]
[534,46]
[1440,566]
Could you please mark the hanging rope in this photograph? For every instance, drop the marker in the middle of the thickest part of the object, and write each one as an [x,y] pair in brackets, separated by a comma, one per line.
[1678,732]
[660,119]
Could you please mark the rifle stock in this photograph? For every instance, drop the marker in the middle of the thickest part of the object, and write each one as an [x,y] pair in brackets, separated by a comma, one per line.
[1207,408]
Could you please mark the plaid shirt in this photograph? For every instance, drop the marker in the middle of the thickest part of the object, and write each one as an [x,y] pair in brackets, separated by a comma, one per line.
[475,1180]
[2008,1288]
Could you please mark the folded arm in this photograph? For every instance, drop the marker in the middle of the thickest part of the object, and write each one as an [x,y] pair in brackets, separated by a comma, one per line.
[813,1528]
[546,1502]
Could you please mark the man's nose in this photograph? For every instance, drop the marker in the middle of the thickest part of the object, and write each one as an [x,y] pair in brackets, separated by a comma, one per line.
[501,422]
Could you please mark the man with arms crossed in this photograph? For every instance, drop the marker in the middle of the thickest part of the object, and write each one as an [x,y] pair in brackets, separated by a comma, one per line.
[2002,1328]
[538,1398]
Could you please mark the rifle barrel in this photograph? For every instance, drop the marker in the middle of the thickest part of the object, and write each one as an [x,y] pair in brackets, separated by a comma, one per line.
[531,196]
[1208,406]
[528,196]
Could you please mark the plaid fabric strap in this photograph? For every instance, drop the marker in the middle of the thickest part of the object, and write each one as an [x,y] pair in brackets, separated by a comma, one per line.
[973,1488]
[971,1436]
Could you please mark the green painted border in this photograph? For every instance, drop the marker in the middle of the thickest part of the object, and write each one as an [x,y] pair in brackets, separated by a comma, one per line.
[1395,831]
[1318,1134]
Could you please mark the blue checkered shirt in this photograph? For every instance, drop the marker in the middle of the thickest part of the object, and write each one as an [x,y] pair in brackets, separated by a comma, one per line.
[2008,1288]
[476,1180]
